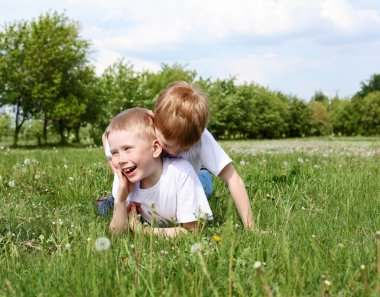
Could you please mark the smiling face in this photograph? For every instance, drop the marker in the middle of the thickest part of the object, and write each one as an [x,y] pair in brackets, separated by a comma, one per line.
[137,157]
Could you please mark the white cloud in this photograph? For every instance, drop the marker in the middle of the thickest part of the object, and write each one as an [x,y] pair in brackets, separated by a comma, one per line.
[107,57]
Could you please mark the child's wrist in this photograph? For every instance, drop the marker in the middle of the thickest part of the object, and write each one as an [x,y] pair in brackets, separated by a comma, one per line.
[121,196]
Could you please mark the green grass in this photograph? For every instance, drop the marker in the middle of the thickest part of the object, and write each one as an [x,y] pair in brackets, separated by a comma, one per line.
[317,213]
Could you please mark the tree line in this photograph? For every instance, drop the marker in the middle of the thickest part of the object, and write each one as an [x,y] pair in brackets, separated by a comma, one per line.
[48,85]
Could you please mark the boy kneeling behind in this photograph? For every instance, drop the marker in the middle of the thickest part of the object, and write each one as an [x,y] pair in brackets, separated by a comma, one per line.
[167,190]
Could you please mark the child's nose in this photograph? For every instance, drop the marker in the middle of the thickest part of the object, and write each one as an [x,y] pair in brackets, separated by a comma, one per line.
[123,158]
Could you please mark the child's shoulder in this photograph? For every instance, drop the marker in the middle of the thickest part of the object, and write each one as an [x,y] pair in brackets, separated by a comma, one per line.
[178,164]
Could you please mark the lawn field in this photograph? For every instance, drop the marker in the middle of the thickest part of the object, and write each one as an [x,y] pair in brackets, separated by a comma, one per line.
[316,205]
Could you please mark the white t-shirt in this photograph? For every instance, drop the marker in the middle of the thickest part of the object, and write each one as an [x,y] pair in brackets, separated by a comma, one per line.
[206,153]
[177,197]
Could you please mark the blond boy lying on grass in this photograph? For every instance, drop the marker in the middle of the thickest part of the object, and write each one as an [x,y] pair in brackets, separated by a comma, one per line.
[163,189]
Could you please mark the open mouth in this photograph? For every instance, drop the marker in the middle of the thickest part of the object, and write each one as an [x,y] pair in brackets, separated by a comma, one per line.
[129,170]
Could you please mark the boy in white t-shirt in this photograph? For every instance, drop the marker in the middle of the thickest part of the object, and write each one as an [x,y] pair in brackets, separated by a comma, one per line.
[167,191]
[180,117]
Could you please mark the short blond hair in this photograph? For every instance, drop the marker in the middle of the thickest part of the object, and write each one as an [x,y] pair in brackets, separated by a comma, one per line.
[137,119]
[182,112]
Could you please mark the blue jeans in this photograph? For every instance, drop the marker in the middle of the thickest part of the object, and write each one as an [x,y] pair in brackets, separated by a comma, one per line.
[206,180]
[105,206]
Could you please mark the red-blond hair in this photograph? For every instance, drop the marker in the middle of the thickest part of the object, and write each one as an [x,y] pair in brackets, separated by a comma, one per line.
[181,114]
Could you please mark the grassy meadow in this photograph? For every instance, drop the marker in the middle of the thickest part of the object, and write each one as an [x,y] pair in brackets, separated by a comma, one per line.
[316,204]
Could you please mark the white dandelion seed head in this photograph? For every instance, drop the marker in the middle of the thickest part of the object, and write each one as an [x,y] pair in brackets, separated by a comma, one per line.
[242,163]
[257,265]
[327,283]
[163,253]
[11,183]
[37,176]
[102,244]
[26,161]
[24,169]
[196,247]
[362,267]
[300,160]
[68,246]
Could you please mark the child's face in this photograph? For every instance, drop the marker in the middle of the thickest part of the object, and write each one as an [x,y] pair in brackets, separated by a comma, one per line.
[132,154]
[169,146]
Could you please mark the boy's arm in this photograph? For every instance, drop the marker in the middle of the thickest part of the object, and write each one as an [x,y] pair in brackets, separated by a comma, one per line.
[239,194]
[136,226]
[120,215]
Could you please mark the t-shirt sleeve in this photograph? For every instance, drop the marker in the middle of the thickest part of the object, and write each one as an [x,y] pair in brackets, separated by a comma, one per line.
[212,156]
[192,203]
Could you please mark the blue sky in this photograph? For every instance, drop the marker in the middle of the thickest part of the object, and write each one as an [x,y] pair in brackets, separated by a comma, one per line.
[294,46]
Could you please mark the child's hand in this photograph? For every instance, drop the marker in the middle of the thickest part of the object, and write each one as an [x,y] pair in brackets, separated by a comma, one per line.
[125,186]
[134,219]
[135,205]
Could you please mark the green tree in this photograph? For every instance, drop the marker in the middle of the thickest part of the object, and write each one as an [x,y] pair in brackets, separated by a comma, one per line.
[119,89]
[267,114]
[370,114]
[16,82]
[153,83]
[320,119]
[225,114]
[60,71]
[5,125]
[299,118]
[319,96]
[342,116]
[42,67]
[373,84]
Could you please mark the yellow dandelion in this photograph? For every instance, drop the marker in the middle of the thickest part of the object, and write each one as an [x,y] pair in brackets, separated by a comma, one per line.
[217,238]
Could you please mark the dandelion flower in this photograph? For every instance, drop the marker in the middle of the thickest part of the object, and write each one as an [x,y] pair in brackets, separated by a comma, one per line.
[26,161]
[327,283]
[362,267]
[196,247]
[257,265]
[68,246]
[242,162]
[163,253]
[24,169]
[102,244]
[11,183]
[37,176]
[217,238]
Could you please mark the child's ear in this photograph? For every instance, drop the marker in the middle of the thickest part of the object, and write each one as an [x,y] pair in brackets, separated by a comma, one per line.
[157,149]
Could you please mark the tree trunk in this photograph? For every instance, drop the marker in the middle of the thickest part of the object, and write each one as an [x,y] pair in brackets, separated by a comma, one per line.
[45,128]
[18,125]
[76,132]
[61,130]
